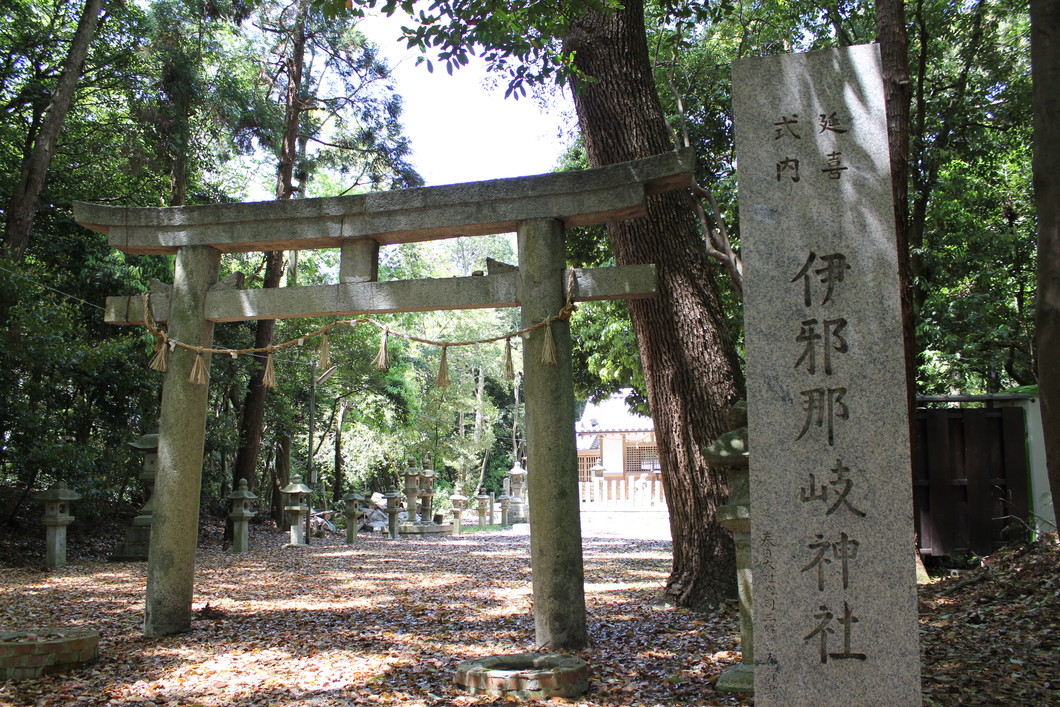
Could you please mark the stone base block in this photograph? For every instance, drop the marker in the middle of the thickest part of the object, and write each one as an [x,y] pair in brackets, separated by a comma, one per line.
[525,675]
[737,680]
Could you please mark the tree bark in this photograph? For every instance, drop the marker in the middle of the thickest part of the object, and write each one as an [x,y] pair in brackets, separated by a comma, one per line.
[281,476]
[690,364]
[22,208]
[254,404]
[1045,65]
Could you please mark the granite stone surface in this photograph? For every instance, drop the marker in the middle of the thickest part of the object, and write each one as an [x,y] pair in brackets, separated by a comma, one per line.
[835,614]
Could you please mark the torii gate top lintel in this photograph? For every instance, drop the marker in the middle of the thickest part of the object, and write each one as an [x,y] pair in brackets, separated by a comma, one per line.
[579,198]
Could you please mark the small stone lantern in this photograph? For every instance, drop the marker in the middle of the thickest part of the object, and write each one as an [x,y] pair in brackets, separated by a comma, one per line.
[352,510]
[520,510]
[483,501]
[297,491]
[427,496]
[459,502]
[392,510]
[412,491]
[506,502]
[138,534]
[56,517]
[730,451]
[241,515]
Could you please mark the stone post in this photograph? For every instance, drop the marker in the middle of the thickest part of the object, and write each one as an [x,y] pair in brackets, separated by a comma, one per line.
[483,502]
[459,504]
[730,451]
[392,510]
[555,520]
[352,510]
[506,502]
[296,490]
[240,516]
[181,435]
[56,517]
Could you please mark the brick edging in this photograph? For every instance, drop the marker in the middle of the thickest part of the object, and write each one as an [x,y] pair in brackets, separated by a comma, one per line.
[35,652]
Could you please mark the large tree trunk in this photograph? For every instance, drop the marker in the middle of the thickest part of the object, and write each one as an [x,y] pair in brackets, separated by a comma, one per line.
[690,365]
[22,208]
[1045,67]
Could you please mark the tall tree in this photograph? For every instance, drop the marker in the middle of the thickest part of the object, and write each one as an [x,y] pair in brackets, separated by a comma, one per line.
[1045,67]
[23,204]
[690,364]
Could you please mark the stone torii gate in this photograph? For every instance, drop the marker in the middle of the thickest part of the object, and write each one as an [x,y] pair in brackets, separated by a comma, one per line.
[537,208]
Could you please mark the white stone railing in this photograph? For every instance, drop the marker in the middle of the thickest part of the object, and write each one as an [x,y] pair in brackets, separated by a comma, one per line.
[629,493]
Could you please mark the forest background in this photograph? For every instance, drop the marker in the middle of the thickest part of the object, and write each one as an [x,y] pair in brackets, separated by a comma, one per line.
[179,102]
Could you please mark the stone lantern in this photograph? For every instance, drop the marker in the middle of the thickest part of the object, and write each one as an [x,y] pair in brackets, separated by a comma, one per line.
[483,501]
[520,509]
[459,501]
[412,491]
[352,510]
[297,491]
[392,510]
[56,517]
[241,515]
[506,502]
[427,496]
[730,451]
[138,535]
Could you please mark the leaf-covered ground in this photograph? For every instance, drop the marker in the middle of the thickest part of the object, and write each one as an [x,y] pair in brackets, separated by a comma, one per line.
[385,623]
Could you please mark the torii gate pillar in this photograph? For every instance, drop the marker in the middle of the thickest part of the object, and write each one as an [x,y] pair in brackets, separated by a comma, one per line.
[181,434]
[555,519]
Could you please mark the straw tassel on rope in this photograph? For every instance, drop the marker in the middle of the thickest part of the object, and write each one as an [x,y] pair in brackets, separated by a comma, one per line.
[548,346]
[382,359]
[199,375]
[268,378]
[443,368]
[160,357]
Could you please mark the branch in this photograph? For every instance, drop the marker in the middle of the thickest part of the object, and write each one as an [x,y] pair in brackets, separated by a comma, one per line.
[718,243]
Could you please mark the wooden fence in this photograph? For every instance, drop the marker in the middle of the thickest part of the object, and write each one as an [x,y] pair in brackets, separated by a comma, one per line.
[628,493]
[970,479]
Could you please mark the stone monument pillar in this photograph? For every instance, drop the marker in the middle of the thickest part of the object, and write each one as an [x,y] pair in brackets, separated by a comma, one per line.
[241,515]
[835,604]
[56,517]
[296,492]
[138,535]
